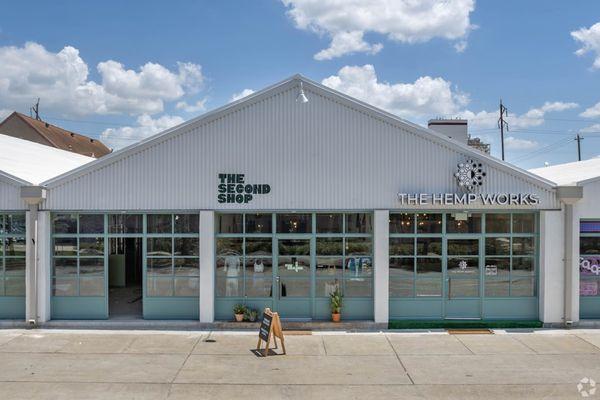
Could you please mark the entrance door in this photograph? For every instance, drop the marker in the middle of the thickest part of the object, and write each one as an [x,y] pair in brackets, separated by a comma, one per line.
[294,277]
[462,277]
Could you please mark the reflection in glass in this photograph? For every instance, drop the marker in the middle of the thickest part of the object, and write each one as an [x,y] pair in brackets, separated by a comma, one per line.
[523,223]
[295,287]
[157,287]
[497,246]
[329,223]
[497,223]
[65,246]
[327,286]
[15,224]
[91,246]
[429,223]
[187,267]
[229,246]
[91,223]
[497,287]
[186,223]
[429,267]
[64,287]
[294,247]
[523,266]
[159,266]
[294,223]
[428,287]
[229,223]
[522,287]
[14,285]
[463,247]
[458,288]
[91,266]
[259,223]
[589,245]
[91,286]
[523,246]
[358,246]
[14,246]
[359,223]
[159,223]
[258,287]
[186,246]
[429,246]
[358,287]
[456,224]
[64,223]
[401,287]
[330,246]
[160,246]
[125,223]
[65,266]
[329,266]
[186,287]
[402,223]
[230,287]
[259,247]
[402,246]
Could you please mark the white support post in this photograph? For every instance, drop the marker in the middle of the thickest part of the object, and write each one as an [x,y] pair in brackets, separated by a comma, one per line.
[30,267]
[552,267]
[44,265]
[207,266]
[381,228]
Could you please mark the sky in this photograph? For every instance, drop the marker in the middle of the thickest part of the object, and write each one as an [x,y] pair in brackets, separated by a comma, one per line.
[124,70]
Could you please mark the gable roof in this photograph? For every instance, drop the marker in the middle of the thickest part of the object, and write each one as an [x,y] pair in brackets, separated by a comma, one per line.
[30,163]
[342,98]
[63,139]
[573,173]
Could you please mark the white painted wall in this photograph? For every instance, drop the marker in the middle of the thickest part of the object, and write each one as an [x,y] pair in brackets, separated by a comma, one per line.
[381,228]
[44,265]
[552,287]
[207,269]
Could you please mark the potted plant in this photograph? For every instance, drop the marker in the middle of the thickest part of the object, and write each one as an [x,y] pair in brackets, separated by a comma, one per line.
[239,310]
[335,302]
[251,315]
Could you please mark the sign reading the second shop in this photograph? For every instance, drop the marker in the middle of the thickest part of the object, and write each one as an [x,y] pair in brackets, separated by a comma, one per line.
[233,188]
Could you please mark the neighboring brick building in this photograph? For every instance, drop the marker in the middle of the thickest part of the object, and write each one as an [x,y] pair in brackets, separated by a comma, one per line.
[24,127]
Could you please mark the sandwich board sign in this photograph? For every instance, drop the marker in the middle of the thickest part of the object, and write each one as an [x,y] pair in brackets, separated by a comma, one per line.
[270,327]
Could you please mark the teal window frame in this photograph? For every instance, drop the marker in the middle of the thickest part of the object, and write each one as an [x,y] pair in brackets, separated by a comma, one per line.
[443,235]
[588,278]
[5,277]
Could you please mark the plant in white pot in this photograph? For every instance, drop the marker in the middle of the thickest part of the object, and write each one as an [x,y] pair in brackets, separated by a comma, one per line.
[238,311]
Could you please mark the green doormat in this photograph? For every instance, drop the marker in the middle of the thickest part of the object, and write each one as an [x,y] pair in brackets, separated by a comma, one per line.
[463,324]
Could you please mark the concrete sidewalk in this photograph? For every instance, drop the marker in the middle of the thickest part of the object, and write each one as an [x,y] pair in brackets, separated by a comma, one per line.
[50,364]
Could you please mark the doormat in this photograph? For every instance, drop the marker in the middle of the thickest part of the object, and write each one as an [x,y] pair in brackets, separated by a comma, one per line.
[297,332]
[464,324]
[470,332]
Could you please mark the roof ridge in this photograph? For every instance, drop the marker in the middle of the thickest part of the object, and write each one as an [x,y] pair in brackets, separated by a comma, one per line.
[25,119]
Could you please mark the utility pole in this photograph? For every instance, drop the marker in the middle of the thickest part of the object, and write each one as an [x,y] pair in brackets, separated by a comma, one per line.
[578,138]
[501,124]
[35,109]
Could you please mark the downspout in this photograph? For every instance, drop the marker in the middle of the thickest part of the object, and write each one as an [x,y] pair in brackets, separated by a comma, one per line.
[32,196]
[569,195]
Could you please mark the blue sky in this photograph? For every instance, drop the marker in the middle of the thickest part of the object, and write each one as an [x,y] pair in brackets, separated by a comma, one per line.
[89,63]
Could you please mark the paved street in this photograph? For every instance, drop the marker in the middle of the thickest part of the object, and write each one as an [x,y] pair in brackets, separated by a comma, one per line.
[51,364]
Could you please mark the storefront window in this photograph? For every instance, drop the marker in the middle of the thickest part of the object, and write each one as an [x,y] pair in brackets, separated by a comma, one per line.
[421,259]
[589,261]
[12,255]
[330,223]
[125,223]
[294,223]
[78,255]
[230,223]
[172,251]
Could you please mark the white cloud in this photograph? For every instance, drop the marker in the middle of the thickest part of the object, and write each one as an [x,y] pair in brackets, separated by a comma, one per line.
[408,21]
[533,117]
[198,106]
[242,94]
[589,38]
[61,81]
[147,126]
[512,143]
[426,97]
[592,112]
[592,128]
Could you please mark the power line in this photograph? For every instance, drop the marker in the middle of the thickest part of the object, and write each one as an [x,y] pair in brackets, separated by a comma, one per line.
[543,150]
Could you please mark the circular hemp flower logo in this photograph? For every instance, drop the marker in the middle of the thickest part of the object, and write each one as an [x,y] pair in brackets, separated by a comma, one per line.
[470,175]
[586,387]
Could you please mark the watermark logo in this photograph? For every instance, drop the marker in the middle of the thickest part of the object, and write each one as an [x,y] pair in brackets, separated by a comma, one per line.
[586,387]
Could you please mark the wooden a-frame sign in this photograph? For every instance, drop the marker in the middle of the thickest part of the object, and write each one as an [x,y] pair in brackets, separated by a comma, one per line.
[270,327]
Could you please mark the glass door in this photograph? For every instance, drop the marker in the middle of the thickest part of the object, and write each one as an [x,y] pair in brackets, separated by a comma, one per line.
[462,278]
[294,277]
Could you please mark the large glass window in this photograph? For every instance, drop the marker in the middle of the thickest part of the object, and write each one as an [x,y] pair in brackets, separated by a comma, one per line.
[78,254]
[509,241]
[589,261]
[12,254]
[172,255]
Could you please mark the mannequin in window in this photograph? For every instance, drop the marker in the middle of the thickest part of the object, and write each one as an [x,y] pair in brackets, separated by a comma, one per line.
[232,270]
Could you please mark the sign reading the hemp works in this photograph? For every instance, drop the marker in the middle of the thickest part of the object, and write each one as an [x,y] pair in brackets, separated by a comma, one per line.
[465,199]
[233,188]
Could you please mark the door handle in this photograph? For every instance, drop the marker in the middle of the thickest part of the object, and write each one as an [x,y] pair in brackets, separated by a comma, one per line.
[278,279]
[449,288]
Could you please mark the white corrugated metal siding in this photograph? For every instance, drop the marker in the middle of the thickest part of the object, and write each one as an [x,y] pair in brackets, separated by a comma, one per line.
[10,196]
[326,154]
